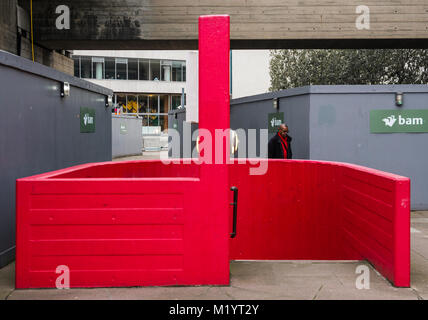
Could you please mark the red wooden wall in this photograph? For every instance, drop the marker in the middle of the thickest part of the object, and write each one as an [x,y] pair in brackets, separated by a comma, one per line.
[109,232]
[323,211]
[146,223]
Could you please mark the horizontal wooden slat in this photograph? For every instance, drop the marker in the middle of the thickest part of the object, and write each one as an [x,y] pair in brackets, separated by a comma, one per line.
[105,216]
[107,278]
[75,201]
[98,232]
[78,263]
[367,201]
[368,215]
[104,247]
[358,221]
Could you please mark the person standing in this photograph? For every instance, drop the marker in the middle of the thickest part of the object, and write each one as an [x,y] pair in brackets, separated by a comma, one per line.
[279,146]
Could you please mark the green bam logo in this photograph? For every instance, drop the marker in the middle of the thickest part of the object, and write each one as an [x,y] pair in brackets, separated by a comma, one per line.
[274,120]
[87,119]
[390,121]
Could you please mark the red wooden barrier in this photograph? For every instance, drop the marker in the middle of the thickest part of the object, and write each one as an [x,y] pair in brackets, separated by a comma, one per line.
[108,231]
[146,223]
[324,211]
[135,223]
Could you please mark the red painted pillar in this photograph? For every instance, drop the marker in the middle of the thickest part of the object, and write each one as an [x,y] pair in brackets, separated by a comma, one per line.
[214,114]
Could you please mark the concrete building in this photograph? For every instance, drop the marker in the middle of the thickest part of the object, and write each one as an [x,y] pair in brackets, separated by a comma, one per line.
[147,84]
[15,37]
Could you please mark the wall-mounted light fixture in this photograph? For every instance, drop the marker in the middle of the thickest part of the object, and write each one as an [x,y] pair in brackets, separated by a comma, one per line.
[65,89]
[275,103]
[109,101]
[399,99]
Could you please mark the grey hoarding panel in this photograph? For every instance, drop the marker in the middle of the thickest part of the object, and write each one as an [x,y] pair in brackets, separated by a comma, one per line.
[40,131]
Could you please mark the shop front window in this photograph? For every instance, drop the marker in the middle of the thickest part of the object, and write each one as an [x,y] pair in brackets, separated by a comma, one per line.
[164,103]
[121,101]
[163,122]
[131,104]
[153,120]
[175,101]
[153,103]
[143,103]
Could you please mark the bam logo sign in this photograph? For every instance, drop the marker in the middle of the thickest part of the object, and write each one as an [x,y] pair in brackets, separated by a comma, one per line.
[87,120]
[274,120]
[390,121]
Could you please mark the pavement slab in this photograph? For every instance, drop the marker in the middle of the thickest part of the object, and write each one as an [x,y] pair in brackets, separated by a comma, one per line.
[307,280]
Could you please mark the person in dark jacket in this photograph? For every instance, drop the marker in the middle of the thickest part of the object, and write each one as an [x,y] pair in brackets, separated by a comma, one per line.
[279,146]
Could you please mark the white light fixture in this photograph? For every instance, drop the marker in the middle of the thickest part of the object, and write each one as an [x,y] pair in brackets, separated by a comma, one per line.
[399,99]
[65,89]
[109,101]
[275,103]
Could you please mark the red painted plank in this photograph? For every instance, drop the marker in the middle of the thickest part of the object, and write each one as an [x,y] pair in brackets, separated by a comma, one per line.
[148,231]
[105,247]
[110,278]
[76,201]
[82,263]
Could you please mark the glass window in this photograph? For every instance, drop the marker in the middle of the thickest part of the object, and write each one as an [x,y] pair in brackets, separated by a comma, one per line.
[98,68]
[155,70]
[166,70]
[163,122]
[109,67]
[132,69]
[164,103]
[176,71]
[184,71]
[153,120]
[145,120]
[175,101]
[153,103]
[131,103]
[121,101]
[76,66]
[143,102]
[144,69]
[86,67]
[121,69]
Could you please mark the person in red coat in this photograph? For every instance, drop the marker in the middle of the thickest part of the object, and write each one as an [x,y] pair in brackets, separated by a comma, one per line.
[279,146]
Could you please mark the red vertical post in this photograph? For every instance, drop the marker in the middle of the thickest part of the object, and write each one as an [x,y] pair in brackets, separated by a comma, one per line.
[401,221]
[214,114]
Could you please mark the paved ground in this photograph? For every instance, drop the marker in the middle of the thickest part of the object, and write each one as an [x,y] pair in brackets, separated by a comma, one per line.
[265,280]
